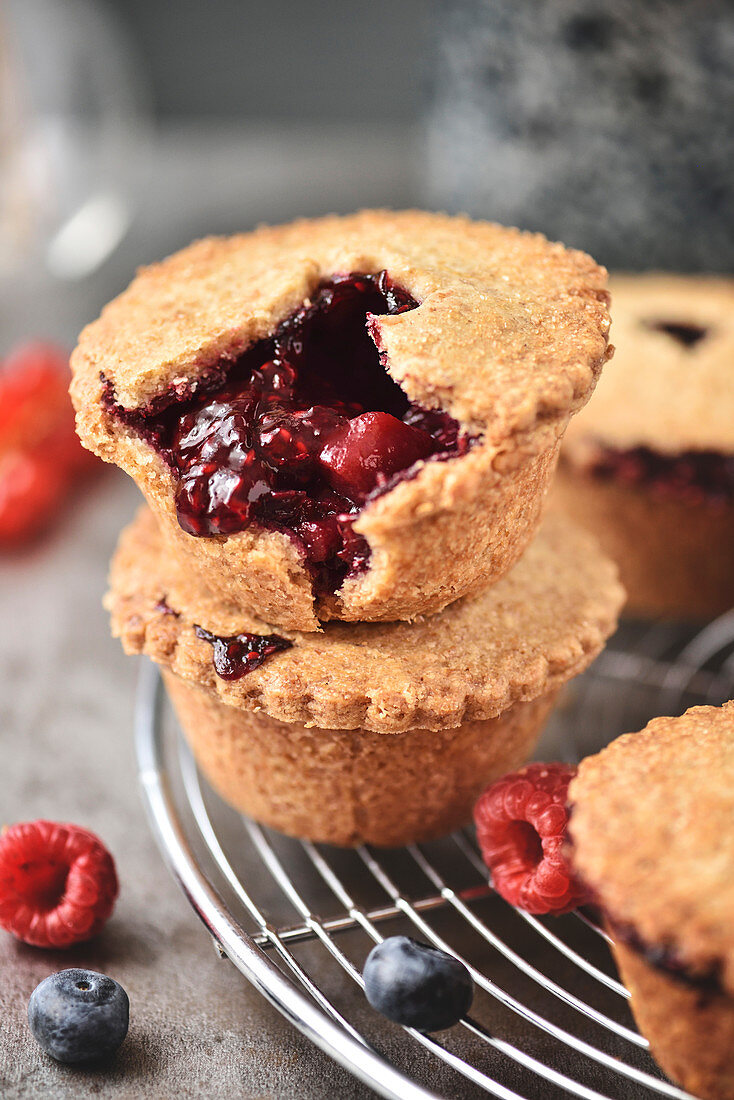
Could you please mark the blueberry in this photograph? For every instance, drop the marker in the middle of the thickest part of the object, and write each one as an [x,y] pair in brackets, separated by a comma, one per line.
[78,1015]
[417,985]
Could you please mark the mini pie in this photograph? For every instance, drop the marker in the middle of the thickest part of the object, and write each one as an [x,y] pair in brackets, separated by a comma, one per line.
[367,731]
[651,832]
[350,418]
[649,465]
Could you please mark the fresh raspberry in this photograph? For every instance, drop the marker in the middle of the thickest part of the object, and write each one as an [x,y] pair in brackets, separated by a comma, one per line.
[34,399]
[40,454]
[521,827]
[57,883]
[30,488]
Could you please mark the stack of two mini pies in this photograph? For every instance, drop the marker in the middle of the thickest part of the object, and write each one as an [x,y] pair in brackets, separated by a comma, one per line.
[344,430]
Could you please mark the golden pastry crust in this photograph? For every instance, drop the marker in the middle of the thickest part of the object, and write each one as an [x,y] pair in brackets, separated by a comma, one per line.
[350,787]
[652,835]
[659,393]
[509,337]
[536,628]
[674,555]
[691,1031]
[511,329]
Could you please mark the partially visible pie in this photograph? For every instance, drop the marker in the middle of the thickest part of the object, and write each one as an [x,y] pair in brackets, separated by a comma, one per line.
[366,732]
[648,466]
[651,832]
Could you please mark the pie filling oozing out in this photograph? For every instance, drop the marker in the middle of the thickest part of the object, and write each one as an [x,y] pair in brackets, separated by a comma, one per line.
[235,655]
[693,476]
[300,431]
[667,959]
[239,654]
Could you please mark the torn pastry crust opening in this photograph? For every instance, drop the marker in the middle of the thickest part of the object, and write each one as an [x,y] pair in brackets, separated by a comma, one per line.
[300,431]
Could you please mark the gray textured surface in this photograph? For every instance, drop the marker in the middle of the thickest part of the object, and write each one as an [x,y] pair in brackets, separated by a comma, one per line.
[605,126]
[66,703]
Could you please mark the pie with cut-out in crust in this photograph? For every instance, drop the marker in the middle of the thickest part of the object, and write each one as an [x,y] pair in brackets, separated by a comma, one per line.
[351,418]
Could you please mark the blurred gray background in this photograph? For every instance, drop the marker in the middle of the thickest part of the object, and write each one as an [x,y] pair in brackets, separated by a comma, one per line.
[608,127]
[284,60]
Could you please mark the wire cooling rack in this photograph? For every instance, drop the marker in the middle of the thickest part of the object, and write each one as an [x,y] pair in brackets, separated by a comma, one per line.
[549,1019]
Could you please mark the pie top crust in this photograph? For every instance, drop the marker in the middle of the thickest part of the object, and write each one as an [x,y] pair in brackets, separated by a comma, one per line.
[661,392]
[652,835]
[530,632]
[511,330]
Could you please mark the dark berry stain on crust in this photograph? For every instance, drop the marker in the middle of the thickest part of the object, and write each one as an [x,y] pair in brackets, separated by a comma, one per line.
[668,960]
[165,609]
[239,654]
[300,431]
[661,957]
[694,476]
[687,334]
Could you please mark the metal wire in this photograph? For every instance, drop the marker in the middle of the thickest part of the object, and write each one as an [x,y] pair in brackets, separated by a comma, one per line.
[584,964]
[551,986]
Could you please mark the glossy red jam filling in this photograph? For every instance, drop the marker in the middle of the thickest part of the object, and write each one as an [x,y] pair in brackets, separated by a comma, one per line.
[239,654]
[695,476]
[301,430]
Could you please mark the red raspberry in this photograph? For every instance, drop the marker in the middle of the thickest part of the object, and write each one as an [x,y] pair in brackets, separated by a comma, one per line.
[57,883]
[521,827]
[40,454]
[30,488]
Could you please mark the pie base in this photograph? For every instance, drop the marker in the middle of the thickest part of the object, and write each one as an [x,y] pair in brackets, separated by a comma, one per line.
[691,1030]
[351,787]
[674,556]
[540,625]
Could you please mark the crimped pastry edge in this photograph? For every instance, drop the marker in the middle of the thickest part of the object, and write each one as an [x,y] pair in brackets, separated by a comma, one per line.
[530,315]
[345,678]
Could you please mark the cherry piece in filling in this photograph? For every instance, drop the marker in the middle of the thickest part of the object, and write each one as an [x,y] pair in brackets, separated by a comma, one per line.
[301,430]
[239,654]
[363,453]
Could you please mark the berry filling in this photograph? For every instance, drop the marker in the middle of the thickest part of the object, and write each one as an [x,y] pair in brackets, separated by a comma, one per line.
[694,476]
[300,431]
[239,654]
[686,334]
[521,828]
